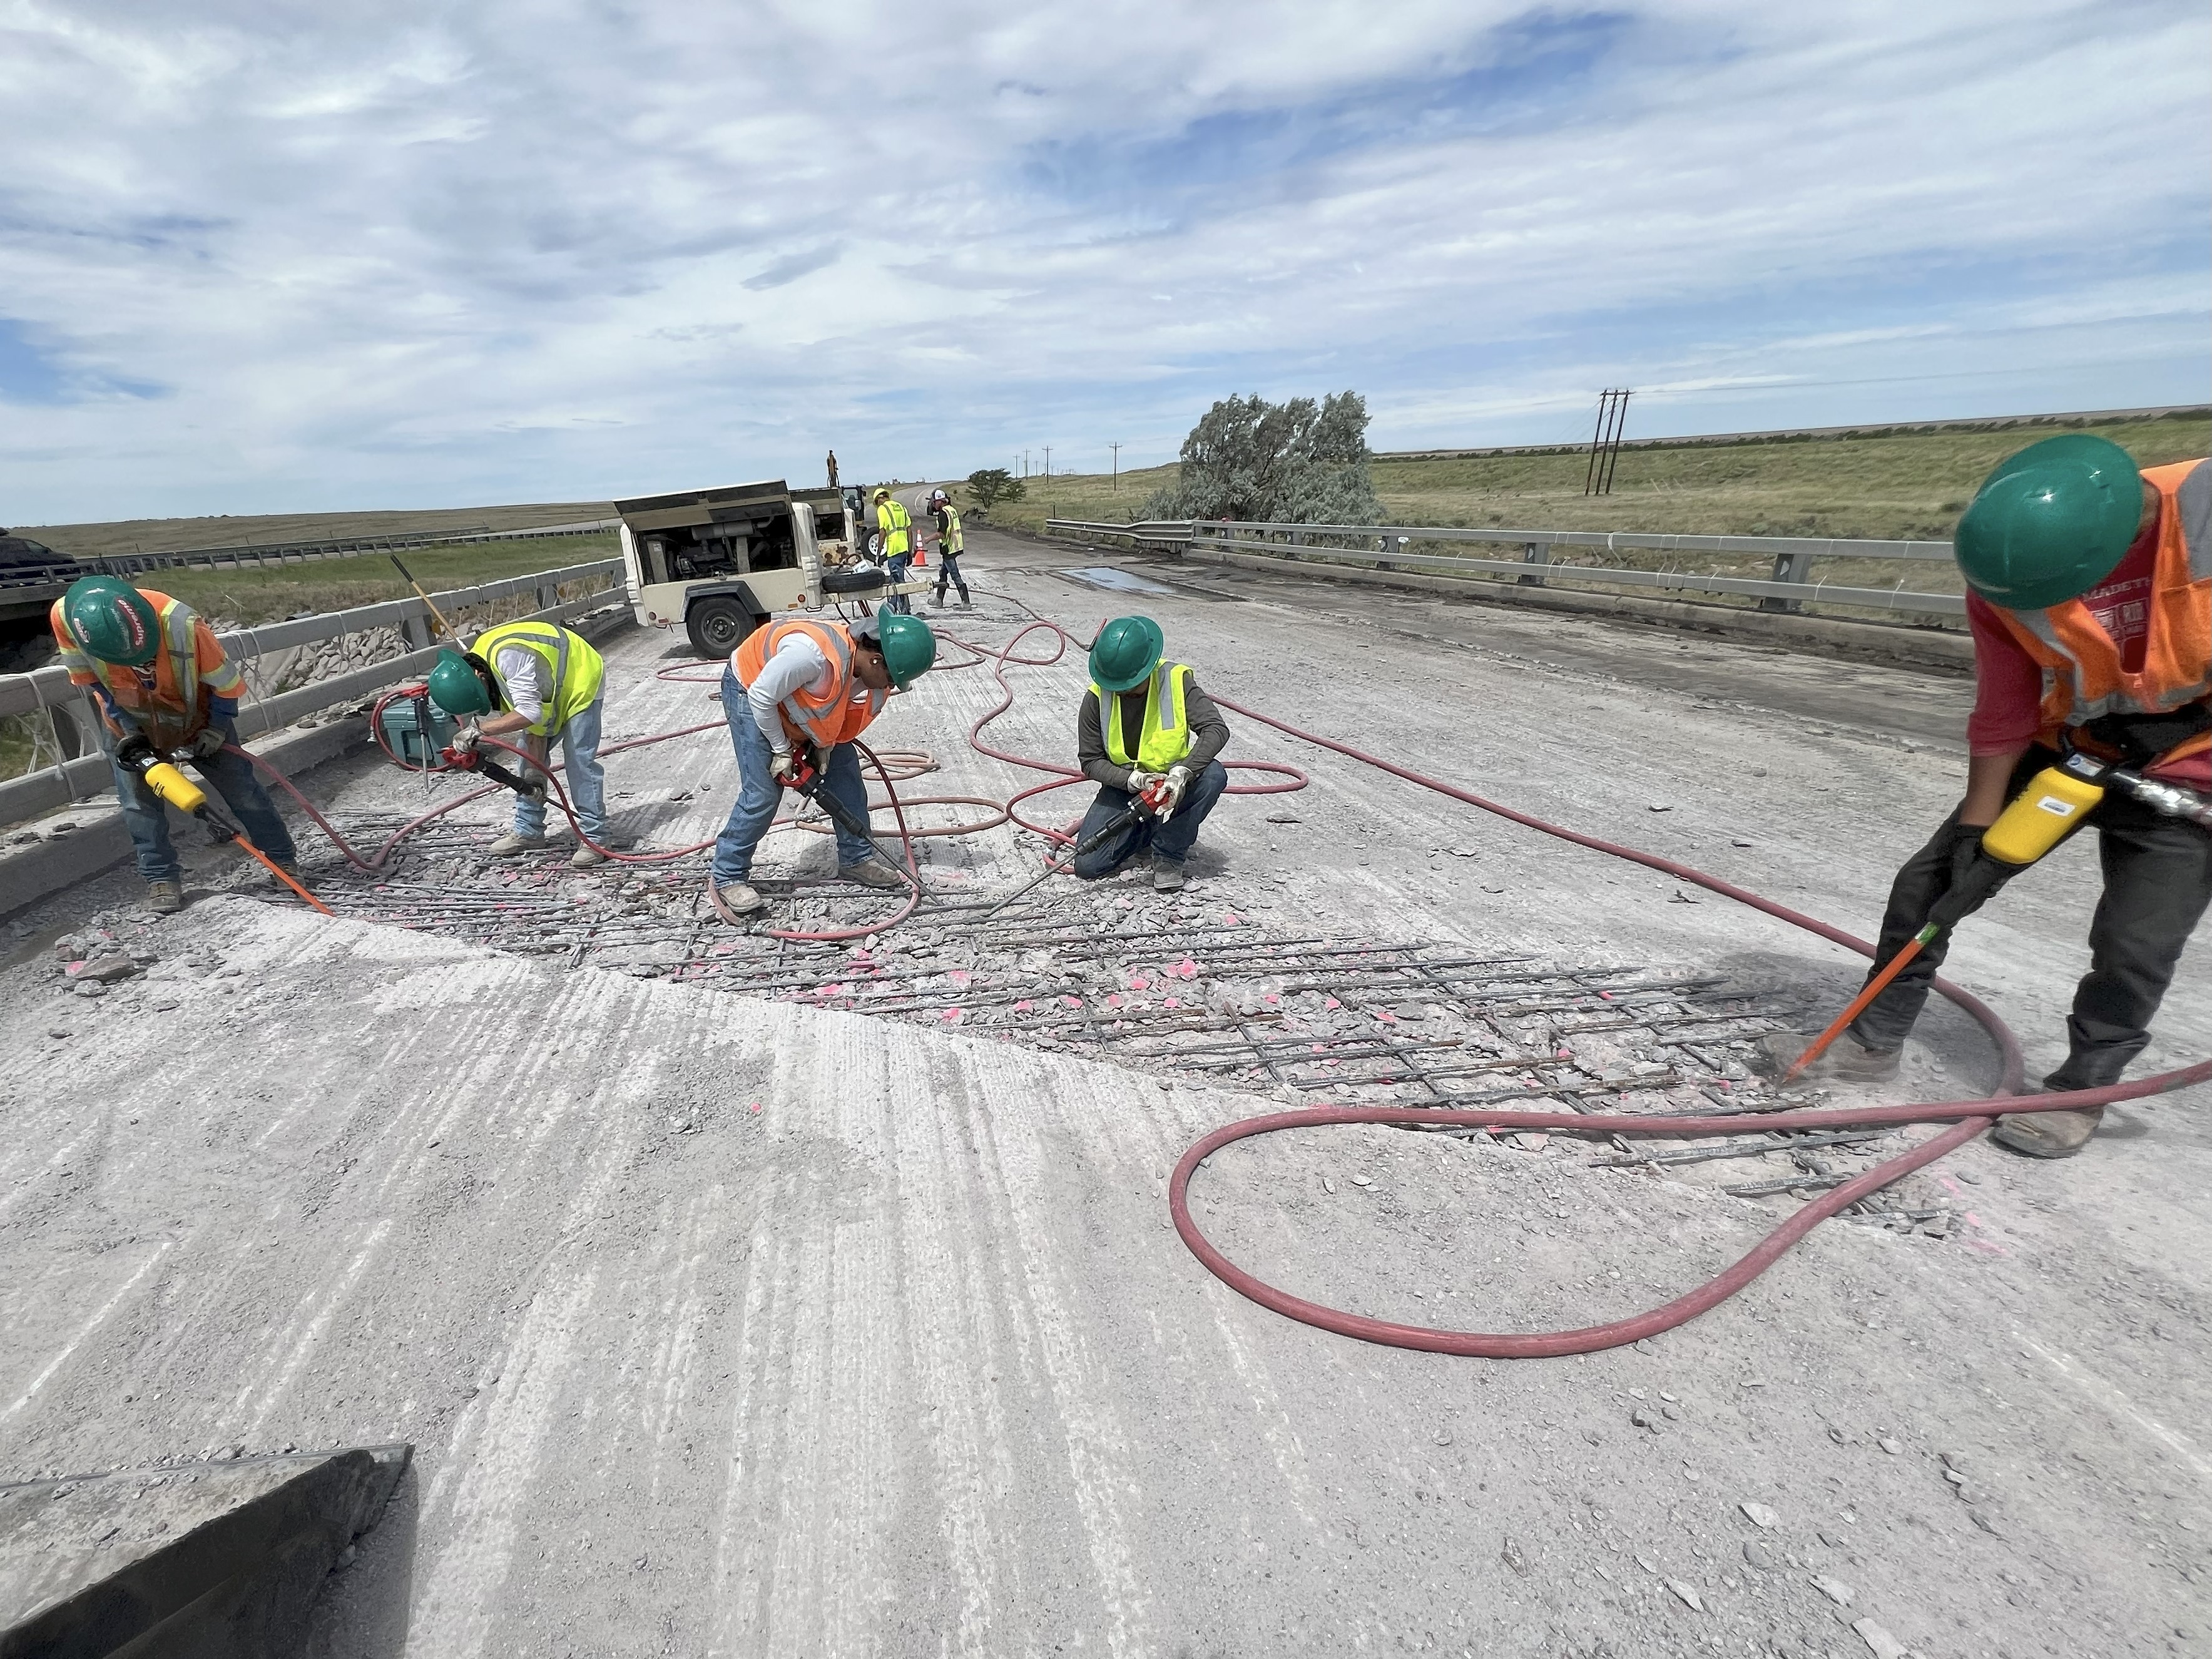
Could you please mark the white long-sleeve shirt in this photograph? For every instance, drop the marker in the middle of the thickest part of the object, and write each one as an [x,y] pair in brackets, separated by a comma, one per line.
[797,665]
[527,678]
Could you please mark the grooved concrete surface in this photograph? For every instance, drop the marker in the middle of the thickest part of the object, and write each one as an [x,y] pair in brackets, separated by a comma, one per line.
[906,1360]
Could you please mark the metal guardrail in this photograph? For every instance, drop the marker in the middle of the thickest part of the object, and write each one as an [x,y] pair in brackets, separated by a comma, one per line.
[248,556]
[47,691]
[1389,547]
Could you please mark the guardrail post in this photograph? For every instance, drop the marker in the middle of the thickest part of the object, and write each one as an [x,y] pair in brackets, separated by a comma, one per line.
[1789,567]
[1538,553]
[416,630]
[548,595]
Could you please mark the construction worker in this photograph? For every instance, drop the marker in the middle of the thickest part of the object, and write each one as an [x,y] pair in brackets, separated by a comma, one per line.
[2091,607]
[833,469]
[897,526]
[797,686]
[1144,722]
[950,546]
[157,673]
[527,683]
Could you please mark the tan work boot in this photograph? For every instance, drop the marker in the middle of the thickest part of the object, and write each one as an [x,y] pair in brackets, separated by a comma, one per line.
[2047,1134]
[510,843]
[1167,874]
[164,898]
[586,858]
[1846,1060]
[738,899]
[870,873]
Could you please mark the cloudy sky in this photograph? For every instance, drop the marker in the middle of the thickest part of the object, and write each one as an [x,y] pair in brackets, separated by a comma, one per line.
[271,257]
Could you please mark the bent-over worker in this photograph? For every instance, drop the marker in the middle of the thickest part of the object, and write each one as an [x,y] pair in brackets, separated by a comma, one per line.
[2091,607]
[527,683]
[896,525]
[156,671]
[798,683]
[1144,722]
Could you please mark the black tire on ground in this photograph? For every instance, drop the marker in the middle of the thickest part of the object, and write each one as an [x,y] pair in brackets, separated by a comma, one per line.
[718,625]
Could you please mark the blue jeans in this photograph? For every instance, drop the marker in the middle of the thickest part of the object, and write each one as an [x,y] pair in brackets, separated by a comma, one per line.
[759,794]
[948,570]
[583,777]
[1171,840]
[232,780]
[901,568]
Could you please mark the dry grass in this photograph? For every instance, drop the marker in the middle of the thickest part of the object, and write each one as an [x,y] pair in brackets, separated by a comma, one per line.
[186,535]
[1897,486]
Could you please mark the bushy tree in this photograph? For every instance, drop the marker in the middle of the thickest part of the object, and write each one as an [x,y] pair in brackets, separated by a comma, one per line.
[995,483]
[1298,462]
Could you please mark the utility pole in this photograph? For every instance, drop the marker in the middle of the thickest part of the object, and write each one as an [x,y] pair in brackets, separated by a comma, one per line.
[1047,466]
[1605,445]
[1116,448]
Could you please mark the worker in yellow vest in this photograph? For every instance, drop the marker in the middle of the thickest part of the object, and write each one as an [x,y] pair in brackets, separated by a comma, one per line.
[156,671]
[1143,722]
[896,525]
[528,683]
[2090,601]
[951,544]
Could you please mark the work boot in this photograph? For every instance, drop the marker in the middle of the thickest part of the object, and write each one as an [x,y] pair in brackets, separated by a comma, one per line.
[289,869]
[585,857]
[2049,1134]
[164,898]
[739,898]
[1847,1060]
[1167,874]
[510,843]
[870,873]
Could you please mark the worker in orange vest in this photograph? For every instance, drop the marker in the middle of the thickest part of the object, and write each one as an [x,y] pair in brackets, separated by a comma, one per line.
[156,671]
[796,685]
[2091,607]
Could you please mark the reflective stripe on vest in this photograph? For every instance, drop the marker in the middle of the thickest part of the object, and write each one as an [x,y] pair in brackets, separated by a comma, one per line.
[824,719]
[949,542]
[2083,678]
[169,706]
[577,671]
[1165,737]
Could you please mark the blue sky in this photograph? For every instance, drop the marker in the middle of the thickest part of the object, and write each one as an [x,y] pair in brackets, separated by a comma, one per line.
[259,258]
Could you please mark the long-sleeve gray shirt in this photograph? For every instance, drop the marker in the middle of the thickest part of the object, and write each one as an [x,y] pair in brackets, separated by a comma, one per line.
[1209,733]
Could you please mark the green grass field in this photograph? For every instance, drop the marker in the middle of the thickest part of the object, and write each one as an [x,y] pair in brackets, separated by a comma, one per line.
[1900,485]
[248,597]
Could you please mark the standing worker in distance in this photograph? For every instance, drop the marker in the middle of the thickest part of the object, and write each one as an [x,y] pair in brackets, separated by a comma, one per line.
[156,671]
[833,469]
[897,526]
[2092,615]
[1144,719]
[799,682]
[950,546]
[528,681]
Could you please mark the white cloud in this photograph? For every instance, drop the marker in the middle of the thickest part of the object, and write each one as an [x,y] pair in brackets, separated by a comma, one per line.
[514,251]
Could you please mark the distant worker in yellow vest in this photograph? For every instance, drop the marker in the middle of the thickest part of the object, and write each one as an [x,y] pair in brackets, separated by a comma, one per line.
[951,544]
[896,525]
[2091,605]
[157,672]
[1144,720]
[527,683]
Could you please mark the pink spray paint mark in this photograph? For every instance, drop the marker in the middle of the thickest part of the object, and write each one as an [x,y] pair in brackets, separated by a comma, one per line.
[1113,998]
[1185,969]
[1330,1002]
[1388,1019]
[1072,1002]
[1023,1005]
[756,1105]
[1139,982]
[959,976]
[1175,1002]
[1231,917]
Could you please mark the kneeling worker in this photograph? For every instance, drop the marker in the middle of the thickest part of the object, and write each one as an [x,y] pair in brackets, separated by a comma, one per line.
[157,674]
[2091,607]
[527,682]
[1144,722]
[818,683]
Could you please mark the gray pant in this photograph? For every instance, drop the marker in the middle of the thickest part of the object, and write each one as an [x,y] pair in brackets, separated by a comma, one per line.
[2158,883]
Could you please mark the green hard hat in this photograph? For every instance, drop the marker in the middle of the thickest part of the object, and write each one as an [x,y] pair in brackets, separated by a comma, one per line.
[1124,652]
[2050,522]
[909,647]
[112,621]
[456,687]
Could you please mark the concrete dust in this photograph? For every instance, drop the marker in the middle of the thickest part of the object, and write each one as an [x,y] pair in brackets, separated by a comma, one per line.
[726,1324]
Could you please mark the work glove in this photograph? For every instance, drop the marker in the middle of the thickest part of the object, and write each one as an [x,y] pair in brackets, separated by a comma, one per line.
[1139,782]
[1966,850]
[465,741]
[784,767]
[1178,780]
[207,742]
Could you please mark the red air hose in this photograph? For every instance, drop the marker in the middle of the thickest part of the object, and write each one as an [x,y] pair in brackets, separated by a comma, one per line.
[1968,1119]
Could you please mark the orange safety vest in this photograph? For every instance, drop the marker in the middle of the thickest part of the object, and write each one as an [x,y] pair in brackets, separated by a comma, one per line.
[2083,678]
[824,719]
[170,695]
